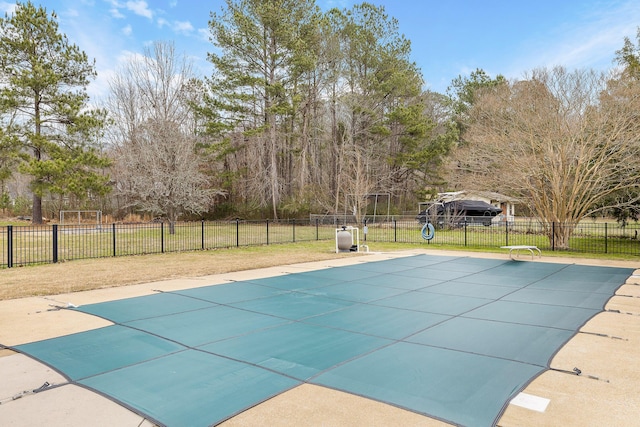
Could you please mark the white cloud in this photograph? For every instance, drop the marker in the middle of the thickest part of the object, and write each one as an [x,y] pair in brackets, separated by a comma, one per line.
[183,27]
[127,30]
[127,56]
[140,7]
[71,13]
[100,88]
[162,22]
[88,32]
[115,12]
[204,34]
[590,42]
[8,8]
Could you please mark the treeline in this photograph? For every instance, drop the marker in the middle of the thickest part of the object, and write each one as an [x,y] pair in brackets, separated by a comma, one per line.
[315,111]
[305,112]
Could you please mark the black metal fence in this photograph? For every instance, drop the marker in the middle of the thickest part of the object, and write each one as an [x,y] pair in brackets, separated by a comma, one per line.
[25,245]
[586,237]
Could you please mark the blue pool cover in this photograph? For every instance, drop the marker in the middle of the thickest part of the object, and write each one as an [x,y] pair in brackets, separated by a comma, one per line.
[453,338]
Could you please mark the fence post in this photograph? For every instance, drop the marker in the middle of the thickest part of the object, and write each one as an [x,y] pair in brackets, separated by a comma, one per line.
[465,232]
[294,230]
[605,239]
[317,231]
[113,232]
[553,236]
[162,236]
[202,234]
[9,246]
[54,230]
[395,231]
[237,232]
[267,231]
[506,233]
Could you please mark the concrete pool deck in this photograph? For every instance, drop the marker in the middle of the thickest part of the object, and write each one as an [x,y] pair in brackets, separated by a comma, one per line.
[606,351]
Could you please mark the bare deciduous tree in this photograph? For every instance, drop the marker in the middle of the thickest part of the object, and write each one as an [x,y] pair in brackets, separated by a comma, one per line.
[157,167]
[562,141]
[359,180]
[160,172]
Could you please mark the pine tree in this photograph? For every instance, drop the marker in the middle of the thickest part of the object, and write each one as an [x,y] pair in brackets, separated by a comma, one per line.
[43,102]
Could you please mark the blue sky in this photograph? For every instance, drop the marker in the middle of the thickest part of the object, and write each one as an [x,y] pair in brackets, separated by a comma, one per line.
[449,37]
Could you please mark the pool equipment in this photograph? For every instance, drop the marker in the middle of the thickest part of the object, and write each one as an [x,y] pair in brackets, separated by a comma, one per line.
[345,239]
[428,227]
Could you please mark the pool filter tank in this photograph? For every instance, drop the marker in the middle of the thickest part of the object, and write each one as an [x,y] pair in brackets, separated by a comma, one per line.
[344,240]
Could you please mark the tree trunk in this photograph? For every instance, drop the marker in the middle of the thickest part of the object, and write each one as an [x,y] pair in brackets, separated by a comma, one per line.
[559,235]
[273,167]
[36,211]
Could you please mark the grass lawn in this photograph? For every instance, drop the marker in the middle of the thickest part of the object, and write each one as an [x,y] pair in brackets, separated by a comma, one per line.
[81,275]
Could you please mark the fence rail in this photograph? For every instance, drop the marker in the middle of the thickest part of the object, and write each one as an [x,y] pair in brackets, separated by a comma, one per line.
[25,245]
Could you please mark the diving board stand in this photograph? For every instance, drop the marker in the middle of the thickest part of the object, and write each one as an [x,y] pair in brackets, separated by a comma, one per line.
[515,250]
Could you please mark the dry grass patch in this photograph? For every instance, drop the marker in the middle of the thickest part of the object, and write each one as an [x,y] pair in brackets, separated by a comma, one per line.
[51,279]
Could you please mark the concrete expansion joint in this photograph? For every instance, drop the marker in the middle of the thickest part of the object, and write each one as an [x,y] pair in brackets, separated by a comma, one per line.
[622,312]
[605,336]
[578,372]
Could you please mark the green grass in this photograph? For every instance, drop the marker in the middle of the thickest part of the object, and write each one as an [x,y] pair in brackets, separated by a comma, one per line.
[35,245]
